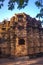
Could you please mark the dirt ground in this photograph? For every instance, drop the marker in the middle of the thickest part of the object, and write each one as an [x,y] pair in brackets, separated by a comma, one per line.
[21,61]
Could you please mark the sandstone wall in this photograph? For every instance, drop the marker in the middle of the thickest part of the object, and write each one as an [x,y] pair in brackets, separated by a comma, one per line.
[21,36]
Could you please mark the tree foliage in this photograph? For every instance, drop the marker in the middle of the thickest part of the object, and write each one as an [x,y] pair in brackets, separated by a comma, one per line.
[38,16]
[11,4]
[39,4]
[22,3]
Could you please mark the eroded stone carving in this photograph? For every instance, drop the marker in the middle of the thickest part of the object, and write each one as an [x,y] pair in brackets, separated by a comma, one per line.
[22,35]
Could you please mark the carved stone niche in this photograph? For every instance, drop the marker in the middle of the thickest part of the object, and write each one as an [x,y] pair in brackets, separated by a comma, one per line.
[20,27]
[21,41]
[20,17]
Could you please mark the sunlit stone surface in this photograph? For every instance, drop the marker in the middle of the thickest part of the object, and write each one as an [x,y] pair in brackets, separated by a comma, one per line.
[22,35]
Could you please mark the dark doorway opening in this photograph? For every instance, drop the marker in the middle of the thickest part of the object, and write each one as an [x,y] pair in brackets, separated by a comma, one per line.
[21,42]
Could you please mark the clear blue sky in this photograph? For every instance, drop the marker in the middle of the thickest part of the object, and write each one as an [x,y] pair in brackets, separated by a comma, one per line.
[30,9]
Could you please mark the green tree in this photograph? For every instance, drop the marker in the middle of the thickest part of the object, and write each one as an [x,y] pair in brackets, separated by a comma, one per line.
[38,16]
[39,4]
[11,4]
[22,3]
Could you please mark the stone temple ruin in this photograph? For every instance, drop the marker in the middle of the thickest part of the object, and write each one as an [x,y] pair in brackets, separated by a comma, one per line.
[21,36]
